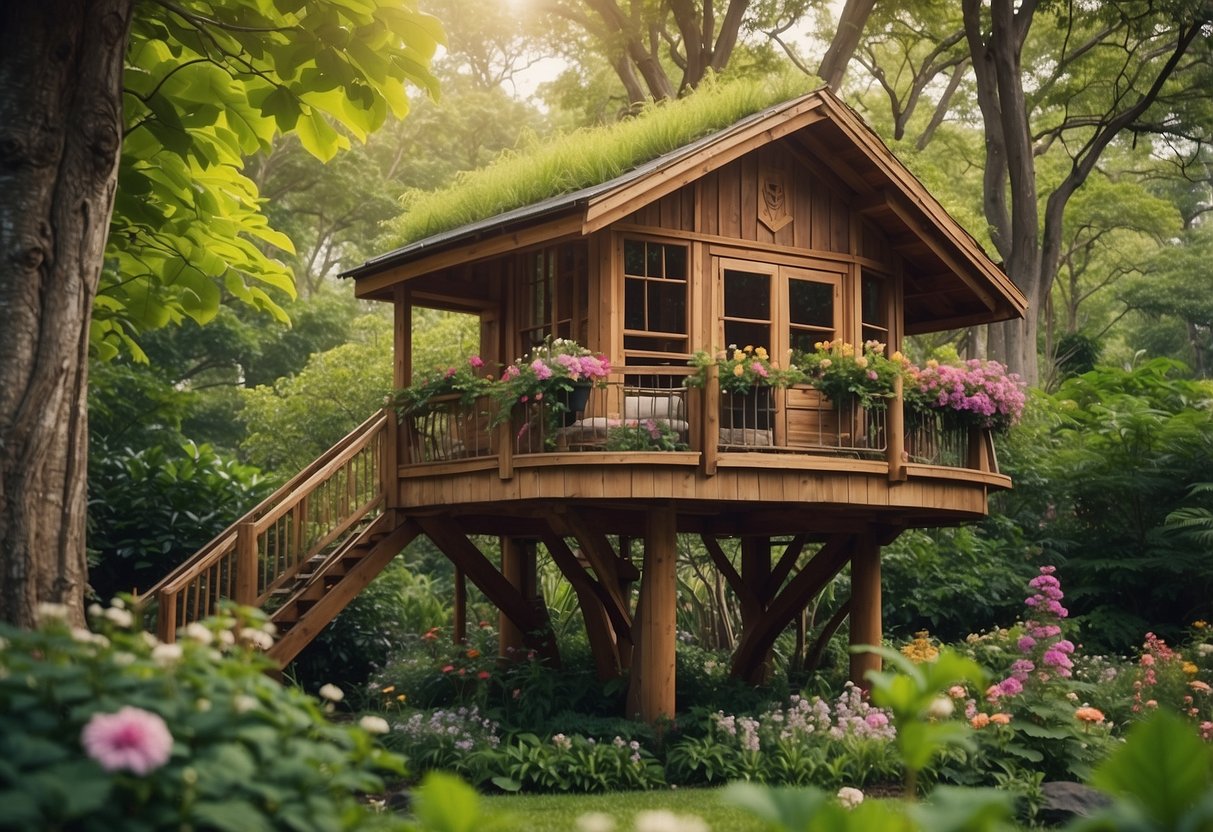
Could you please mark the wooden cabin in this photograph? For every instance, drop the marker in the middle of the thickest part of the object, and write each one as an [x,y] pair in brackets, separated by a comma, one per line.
[793,226]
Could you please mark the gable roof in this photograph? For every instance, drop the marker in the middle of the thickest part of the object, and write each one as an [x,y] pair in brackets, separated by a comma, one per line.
[943,260]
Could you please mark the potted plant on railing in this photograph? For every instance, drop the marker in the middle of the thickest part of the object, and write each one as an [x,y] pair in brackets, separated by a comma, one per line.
[558,376]
[423,395]
[944,402]
[644,435]
[746,376]
[978,393]
[845,374]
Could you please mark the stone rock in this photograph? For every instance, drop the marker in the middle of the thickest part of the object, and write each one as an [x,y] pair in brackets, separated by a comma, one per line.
[1064,801]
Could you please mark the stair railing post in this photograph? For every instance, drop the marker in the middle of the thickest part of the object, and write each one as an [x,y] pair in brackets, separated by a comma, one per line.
[246,564]
[166,616]
[390,458]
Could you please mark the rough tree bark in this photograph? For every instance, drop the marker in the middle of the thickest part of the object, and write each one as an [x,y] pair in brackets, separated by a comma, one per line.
[846,38]
[61,64]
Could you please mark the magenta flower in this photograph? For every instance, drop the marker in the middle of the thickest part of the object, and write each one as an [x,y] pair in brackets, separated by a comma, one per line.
[476,362]
[542,370]
[1025,644]
[132,740]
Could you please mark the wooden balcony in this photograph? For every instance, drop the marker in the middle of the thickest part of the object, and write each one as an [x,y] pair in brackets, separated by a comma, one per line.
[770,447]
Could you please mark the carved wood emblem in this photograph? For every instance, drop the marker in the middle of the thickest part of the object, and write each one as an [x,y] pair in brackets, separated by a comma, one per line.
[774,209]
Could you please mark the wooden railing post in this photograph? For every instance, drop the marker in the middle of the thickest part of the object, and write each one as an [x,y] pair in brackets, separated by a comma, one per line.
[389,459]
[246,563]
[166,616]
[711,419]
[895,439]
[505,449]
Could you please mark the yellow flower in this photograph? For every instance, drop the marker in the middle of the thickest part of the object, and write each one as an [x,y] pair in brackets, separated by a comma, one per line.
[861,362]
[738,355]
[1190,668]
[749,348]
[738,370]
[761,352]
[388,689]
[1200,625]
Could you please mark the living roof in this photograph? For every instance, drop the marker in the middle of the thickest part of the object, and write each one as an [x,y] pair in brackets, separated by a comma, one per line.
[950,282]
[585,158]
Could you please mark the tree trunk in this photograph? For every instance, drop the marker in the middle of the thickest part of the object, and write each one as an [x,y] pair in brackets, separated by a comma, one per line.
[850,26]
[61,64]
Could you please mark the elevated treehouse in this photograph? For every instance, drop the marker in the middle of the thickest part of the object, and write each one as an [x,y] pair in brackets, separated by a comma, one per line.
[792,227]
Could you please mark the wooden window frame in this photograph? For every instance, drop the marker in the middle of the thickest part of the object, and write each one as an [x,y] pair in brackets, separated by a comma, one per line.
[649,355]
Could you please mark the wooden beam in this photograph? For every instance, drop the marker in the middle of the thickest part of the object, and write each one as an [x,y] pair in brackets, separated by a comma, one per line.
[651,688]
[517,567]
[489,244]
[533,623]
[810,580]
[787,562]
[606,645]
[865,606]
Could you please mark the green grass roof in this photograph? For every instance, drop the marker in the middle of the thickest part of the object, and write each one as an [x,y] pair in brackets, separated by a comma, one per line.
[587,157]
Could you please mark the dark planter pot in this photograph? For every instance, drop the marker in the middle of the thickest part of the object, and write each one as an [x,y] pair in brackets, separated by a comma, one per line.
[574,401]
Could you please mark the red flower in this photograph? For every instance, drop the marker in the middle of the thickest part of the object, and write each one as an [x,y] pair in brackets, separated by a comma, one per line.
[448,668]
[484,674]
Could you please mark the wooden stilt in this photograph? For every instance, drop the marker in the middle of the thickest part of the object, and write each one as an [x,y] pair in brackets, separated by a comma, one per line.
[865,605]
[651,693]
[517,567]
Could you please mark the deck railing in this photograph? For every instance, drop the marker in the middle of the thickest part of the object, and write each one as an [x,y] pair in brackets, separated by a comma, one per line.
[659,402]
[268,547]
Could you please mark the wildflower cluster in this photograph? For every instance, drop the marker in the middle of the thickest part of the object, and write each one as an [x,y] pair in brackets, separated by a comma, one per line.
[920,649]
[804,719]
[841,371]
[438,732]
[644,435]
[980,393]
[1044,654]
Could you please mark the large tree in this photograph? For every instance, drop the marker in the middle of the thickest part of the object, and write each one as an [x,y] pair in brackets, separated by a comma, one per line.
[1122,67]
[150,106]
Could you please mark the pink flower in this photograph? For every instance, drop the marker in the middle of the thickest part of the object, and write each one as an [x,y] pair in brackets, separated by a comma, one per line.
[542,371]
[476,361]
[132,740]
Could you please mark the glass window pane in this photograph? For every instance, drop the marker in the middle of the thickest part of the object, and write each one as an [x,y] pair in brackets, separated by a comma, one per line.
[633,305]
[747,335]
[633,257]
[803,340]
[667,306]
[653,266]
[872,301]
[811,303]
[747,295]
[676,262]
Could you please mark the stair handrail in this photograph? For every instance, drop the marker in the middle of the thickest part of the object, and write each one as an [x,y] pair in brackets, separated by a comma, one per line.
[290,493]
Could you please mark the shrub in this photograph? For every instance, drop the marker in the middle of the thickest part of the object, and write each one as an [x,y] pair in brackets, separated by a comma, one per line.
[115,730]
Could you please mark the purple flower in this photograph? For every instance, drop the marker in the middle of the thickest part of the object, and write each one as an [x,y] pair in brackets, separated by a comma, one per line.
[542,371]
[1010,686]
[1025,644]
[132,740]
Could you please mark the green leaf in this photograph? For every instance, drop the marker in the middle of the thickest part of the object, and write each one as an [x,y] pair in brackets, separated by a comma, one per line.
[231,816]
[1163,766]
[318,136]
[444,803]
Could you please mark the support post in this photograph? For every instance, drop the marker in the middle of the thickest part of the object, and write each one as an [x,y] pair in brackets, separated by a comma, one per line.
[246,564]
[711,420]
[517,567]
[895,438]
[651,691]
[865,605]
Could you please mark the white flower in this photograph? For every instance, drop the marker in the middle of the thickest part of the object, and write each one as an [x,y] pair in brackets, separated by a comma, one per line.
[120,616]
[661,820]
[331,692]
[123,659]
[270,628]
[1204,649]
[196,631]
[595,822]
[95,611]
[226,638]
[374,724]
[850,797]
[203,705]
[149,639]
[47,611]
[117,602]
[258,638]
[941,707]
[166,654]
[244,703]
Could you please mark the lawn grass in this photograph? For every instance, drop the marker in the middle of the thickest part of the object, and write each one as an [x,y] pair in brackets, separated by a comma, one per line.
[559,812]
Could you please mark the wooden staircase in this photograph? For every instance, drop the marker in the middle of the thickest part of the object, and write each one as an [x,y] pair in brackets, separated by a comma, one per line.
[304,553]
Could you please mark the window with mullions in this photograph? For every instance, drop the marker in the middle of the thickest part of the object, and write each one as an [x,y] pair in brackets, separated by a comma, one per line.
[874,307]
[554,294]
[655,297]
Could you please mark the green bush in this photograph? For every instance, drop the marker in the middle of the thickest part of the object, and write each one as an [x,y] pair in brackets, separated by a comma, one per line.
[211,743]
